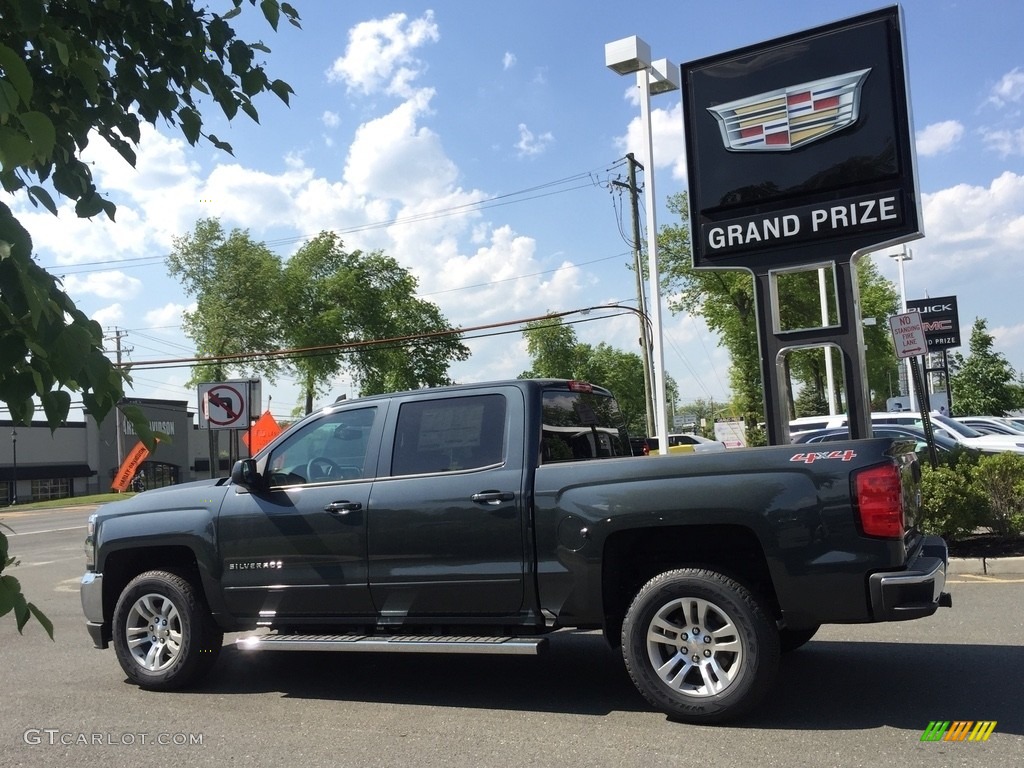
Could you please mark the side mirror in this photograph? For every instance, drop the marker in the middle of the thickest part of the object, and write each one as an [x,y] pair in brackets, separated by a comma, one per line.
[244,473]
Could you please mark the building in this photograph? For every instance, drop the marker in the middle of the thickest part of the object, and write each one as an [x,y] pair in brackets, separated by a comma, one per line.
[81,458]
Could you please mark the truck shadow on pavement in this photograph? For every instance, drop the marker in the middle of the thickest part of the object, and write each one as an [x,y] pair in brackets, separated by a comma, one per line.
[826,685]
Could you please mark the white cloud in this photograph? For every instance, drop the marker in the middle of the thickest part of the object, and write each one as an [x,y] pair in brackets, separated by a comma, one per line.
[667,135]
[968,224]
[937,138]
[112,284]
[380,56]
[109,316]
[167,316]
[529,144]
[508,60]
[1005,142]
[1009,89]
[330,119]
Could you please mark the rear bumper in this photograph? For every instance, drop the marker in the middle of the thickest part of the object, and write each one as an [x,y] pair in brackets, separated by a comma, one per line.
[916,591]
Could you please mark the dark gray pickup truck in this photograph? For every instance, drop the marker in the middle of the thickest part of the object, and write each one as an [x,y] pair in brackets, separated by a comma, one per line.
[482,518]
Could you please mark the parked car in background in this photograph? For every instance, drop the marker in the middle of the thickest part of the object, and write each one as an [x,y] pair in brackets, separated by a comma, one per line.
[679,443]
[941,425]
[992,425]
[943,442]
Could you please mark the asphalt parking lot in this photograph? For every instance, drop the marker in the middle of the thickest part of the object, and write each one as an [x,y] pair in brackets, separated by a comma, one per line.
[854,696]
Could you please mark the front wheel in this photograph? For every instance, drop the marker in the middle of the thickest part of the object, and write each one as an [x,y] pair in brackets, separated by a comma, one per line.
[699,646]
[164,635]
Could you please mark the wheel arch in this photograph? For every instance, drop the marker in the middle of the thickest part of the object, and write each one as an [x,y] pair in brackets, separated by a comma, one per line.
[634,557]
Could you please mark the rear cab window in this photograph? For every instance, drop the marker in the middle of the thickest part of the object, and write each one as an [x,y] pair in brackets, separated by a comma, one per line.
[581,423]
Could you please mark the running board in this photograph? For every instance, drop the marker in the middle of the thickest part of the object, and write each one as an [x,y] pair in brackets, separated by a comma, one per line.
[515,646]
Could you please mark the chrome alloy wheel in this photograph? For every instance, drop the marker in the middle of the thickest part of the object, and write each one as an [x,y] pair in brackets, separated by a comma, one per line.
[694,647]
[153,632]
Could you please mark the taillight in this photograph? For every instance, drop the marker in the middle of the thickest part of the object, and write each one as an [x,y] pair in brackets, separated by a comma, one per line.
[580,386]
[880,501]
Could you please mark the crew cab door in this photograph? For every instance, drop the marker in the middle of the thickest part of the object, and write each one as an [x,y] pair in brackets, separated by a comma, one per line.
[446,526]
[297,547]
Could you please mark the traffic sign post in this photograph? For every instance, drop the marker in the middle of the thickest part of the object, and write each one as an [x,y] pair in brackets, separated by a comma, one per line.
[908,336]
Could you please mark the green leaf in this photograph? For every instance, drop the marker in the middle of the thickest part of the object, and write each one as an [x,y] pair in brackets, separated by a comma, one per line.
[252,82]
[39,195]
[8,98]
[223,145]
[56,405]
[16,72]
[29,13]
[42,619]
[191,124]
[89,205]
[282,90]
[250,110]
[272,11]
[40,132]
[87,76]
[9,589]
[15,149]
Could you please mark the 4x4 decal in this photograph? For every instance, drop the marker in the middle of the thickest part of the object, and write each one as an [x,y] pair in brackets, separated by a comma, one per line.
[810,458]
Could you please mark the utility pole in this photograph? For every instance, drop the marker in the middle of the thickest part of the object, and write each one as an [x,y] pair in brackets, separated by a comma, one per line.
[634,195]
[118,416]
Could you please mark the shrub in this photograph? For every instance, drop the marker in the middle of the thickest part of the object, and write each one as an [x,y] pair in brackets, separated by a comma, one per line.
[1001,479]
[951,503]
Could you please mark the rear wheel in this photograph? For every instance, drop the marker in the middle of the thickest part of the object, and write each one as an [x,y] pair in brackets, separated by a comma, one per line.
[699,646]
[164,635]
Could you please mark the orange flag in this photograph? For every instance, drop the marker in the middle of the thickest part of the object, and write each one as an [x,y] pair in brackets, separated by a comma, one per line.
[262,432]
[131,463]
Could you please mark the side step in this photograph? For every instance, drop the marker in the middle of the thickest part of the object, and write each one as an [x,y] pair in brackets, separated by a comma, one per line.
[515,646]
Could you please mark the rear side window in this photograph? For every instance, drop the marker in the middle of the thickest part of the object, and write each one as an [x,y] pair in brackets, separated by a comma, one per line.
[447,435]
[581,425]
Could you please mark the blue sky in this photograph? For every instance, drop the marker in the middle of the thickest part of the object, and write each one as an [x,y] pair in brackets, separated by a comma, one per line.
[475,143]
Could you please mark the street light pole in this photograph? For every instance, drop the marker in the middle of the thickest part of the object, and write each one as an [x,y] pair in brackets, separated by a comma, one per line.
[14,471]
[631,54]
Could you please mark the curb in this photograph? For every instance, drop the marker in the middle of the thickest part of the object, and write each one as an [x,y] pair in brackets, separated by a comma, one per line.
[989,566]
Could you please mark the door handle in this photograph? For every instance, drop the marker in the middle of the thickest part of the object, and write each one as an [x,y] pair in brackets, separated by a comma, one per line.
[343,507]
[492,497]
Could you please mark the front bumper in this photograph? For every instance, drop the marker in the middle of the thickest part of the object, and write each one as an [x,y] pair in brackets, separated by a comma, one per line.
[91,591]
[916,591]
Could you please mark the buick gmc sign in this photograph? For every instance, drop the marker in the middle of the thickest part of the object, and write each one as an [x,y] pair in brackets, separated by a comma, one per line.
[801,147]
[940,320]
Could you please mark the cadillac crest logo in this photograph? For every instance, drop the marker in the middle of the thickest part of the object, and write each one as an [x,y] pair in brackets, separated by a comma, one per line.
[787,118]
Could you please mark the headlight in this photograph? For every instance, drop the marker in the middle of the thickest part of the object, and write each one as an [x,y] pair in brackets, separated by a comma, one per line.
[90,541]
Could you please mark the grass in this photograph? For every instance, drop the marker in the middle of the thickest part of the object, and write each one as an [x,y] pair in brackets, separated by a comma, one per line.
[99,498]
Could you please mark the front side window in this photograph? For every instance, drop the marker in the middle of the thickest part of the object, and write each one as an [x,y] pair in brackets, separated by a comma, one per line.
[450,434]
[328,449]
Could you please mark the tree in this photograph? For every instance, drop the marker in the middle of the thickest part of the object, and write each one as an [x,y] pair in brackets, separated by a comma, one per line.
[983,384]
[71,70]
[251,306]
[236,284]
[556,353]
[333,297]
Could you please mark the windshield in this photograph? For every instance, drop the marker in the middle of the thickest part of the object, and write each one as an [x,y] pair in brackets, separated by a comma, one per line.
[955,426]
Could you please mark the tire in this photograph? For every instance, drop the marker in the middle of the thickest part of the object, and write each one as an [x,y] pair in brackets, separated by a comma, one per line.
[716,675]
[791,639]
[163,633]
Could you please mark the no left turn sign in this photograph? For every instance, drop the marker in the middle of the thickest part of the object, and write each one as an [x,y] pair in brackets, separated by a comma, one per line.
[225,406]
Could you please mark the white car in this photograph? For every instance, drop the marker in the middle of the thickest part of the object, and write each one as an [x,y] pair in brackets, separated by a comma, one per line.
[992,425]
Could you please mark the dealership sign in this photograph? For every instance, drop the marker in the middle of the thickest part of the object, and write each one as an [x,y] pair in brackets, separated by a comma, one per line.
[802,145]
[940,321]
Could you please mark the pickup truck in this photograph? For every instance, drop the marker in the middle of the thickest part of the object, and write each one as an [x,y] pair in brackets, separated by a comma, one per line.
[482,518]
